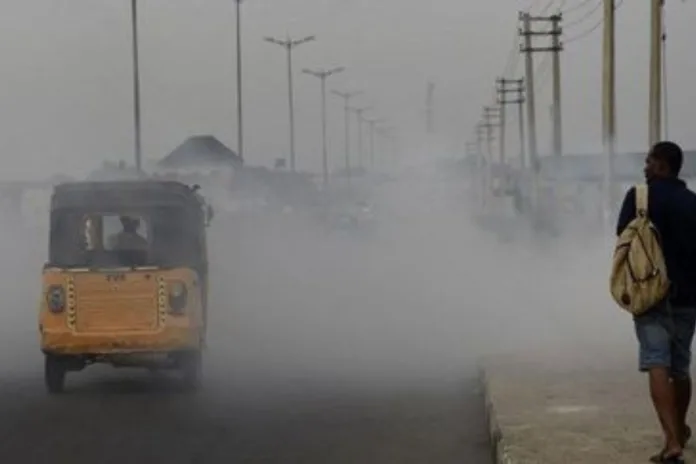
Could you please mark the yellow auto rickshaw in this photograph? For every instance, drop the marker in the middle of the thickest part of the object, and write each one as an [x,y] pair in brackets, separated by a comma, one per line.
[126,279]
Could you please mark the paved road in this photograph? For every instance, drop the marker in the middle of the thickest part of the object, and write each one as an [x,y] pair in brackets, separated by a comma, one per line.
[109,418]
[300,370]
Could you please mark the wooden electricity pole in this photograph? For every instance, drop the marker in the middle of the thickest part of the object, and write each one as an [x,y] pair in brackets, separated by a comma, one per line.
[655,128]
[555,48]
[506,87]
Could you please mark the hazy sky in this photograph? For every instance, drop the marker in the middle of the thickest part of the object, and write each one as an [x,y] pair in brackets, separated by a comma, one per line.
[67,89]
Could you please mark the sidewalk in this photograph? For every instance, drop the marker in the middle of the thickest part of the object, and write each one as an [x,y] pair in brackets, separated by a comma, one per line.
[550,408]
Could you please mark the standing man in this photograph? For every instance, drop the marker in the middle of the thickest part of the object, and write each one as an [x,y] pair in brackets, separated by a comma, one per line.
[665,332]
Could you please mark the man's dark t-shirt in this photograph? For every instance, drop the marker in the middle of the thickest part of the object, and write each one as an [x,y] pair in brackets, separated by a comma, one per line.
[672,208]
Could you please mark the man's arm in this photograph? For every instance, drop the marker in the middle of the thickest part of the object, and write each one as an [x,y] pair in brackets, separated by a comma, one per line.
[688,225]
[628,211]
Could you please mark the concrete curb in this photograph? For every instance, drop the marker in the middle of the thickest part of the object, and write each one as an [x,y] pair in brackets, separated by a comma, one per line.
[500,449]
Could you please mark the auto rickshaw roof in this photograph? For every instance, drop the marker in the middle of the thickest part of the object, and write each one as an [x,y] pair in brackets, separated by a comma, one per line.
[123,194]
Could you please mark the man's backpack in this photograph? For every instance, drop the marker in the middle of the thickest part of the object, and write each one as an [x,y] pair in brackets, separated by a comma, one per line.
[639,275]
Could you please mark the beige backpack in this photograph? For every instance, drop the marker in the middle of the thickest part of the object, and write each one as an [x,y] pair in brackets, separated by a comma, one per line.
[639,275]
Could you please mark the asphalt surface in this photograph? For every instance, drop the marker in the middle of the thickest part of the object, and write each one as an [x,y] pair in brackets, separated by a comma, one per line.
[108,418]
[310,361]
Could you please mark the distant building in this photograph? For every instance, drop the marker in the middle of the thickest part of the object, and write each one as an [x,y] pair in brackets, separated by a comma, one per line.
[201,153]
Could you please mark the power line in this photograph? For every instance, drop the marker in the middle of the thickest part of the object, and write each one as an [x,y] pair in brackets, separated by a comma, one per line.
[547,7]
[533,4]
[584,17]
[579,6]
[585,34]
[589,31]
[550,4]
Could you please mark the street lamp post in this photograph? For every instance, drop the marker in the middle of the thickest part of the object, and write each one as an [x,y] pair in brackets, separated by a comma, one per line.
[359,115]
[372,123]
[240,120]
[136,86]
[347,96]
[322,75]
[289,45]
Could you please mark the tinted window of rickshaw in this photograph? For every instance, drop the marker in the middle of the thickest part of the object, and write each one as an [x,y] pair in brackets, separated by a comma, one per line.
[82,238]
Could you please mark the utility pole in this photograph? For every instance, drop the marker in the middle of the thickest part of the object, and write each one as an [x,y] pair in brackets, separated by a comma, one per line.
[655,127]
[347,96]
[430,108]
[552,115]
[526,48]
[359,116]
[481,133]
[289,45]
[520,119]
[471,154]
[470,148]
[322,75]
[473,161]
[480,137]
[501,90]
[240,119]
[555,48]
[529,49]
[503,100]
[136,87]
[609,108]
[490,114]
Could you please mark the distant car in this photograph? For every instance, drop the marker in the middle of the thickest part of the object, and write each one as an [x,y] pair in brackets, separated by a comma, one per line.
[358,217]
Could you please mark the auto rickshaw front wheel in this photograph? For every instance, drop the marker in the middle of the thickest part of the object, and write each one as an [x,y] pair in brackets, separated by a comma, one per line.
[54,373]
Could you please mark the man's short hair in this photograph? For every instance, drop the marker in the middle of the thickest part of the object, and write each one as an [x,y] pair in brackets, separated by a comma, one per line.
[670,153]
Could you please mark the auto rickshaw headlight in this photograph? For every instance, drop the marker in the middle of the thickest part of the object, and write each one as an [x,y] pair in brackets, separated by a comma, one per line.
[55,298]
[178,294]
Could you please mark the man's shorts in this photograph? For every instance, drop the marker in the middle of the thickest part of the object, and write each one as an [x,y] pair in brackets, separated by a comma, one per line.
[664,335]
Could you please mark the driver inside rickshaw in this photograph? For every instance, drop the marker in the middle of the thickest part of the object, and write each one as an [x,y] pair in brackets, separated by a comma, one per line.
[128,238]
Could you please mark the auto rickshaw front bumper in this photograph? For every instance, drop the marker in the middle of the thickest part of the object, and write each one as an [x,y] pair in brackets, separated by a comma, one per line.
[170,339]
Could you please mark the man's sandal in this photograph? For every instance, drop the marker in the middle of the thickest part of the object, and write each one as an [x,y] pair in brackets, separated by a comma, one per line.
[663,458]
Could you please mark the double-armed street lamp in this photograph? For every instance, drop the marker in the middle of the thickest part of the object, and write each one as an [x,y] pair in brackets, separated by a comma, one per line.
[347,96]
[322,75]
[289,45]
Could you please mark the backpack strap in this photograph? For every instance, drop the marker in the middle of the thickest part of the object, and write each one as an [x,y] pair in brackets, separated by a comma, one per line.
[641,200]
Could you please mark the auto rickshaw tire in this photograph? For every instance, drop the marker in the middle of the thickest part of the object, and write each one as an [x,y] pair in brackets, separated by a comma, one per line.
[54,374]
[191,365]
